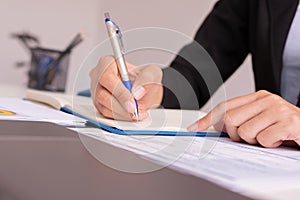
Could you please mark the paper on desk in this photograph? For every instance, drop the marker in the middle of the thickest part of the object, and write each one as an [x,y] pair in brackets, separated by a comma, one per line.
[250,170]
[18,109]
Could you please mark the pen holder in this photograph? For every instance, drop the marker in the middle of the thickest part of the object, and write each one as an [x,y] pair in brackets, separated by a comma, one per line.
[48,69]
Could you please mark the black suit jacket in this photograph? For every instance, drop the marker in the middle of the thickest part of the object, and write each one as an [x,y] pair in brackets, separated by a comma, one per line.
[234,29]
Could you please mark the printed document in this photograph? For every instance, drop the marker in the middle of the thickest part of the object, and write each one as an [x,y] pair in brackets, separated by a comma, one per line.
[251,170]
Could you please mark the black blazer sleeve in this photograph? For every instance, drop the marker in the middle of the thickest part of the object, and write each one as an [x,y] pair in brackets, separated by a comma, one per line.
[224,35]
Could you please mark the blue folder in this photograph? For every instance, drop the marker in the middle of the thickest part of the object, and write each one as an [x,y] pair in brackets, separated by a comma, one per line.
[144,132]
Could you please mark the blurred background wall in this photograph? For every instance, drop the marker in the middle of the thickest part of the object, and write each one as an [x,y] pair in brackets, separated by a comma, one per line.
[56,23]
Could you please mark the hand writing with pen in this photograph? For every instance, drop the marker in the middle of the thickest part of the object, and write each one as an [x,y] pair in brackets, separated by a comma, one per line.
[258,118]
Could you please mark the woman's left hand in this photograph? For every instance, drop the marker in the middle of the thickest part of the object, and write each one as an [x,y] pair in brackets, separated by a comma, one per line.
[260,117]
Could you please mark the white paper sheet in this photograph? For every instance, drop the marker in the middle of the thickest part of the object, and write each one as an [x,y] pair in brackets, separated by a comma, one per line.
[18,109]
[243,168]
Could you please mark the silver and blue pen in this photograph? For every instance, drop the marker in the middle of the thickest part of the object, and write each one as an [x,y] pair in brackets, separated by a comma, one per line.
[115,36]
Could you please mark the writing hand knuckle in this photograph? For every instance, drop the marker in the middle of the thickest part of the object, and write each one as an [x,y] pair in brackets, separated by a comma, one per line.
[228,120]
[106,114]
[105,77]
[157,71]
[104,60]
[280,108]
[275,98]
[293,119]
[263,92]
[93,72]
[101,60]
[102,96]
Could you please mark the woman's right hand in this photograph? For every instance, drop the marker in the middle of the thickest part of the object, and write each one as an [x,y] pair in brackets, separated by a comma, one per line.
[113,100]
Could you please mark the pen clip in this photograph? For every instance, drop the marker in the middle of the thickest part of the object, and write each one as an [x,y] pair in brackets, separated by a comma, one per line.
[120,36]
[121,42]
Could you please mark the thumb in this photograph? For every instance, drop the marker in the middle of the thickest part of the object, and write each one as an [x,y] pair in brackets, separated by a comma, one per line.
[150,74]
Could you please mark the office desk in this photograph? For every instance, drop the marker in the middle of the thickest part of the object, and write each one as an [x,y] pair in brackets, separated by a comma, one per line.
[46,161]
[54,165]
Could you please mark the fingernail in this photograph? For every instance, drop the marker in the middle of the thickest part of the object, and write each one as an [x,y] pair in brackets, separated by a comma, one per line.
[193,127]
[130,106]
[139,92]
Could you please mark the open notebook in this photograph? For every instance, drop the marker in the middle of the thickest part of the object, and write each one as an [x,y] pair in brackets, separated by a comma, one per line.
[160,121]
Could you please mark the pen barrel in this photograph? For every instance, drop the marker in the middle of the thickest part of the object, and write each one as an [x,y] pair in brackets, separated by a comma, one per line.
[122,68]
[117,46]
[118,52]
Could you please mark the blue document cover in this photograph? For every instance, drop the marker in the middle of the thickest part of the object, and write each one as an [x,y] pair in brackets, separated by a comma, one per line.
[145,132]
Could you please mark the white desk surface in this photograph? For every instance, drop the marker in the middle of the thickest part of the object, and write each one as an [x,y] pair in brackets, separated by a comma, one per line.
[291,193]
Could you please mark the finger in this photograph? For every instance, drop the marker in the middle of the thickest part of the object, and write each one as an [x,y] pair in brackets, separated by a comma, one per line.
[114,85]
[219,126]
[139,92]
[131,67]
[248,120]
[106,99]
[232,132]
[110,80]
[236,119]
[217,114]
[126,117]
[249,130]
[229,128]
[109,114]
[273,136]
[241,114]
[108,65]
[152,98]
[105,63]
[246,99]
[149,75]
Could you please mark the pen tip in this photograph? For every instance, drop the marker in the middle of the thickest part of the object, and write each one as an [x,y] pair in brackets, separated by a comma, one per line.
[106,15]
[135,116]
